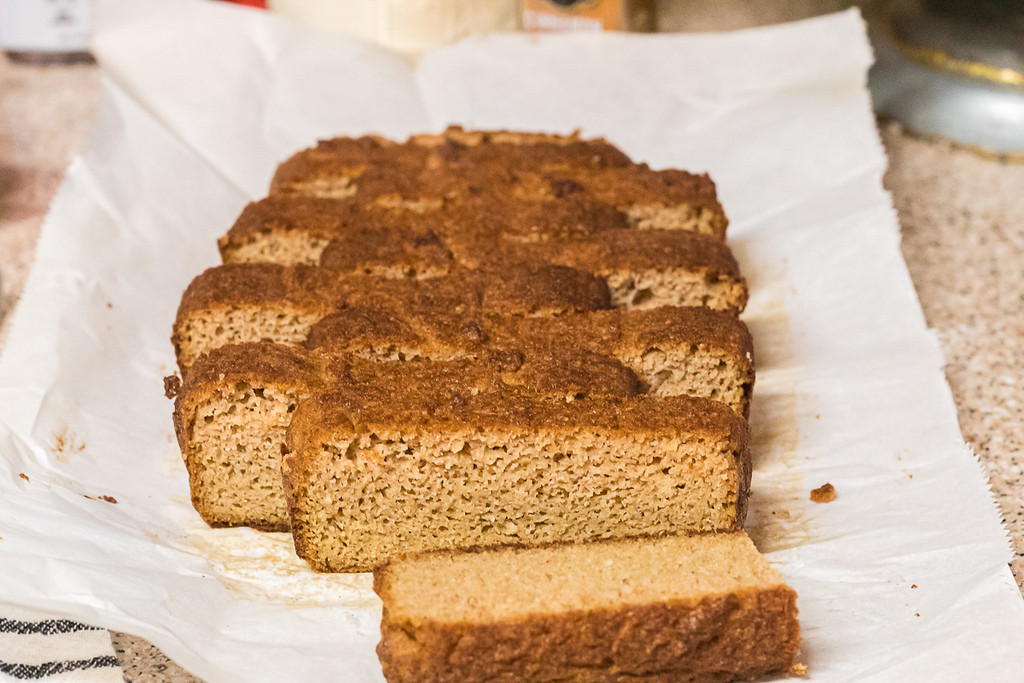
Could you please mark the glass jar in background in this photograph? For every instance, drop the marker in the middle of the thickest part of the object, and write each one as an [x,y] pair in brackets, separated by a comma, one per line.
[46,31]
[409,26]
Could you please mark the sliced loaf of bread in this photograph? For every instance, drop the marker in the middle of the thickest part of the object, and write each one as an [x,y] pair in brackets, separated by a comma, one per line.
[250,302]
[236,403]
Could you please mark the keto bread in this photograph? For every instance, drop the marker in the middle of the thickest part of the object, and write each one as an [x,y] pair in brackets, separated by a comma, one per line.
[235,403]
[451,463]
[425,171]
[249,302]
[673,351]
[704,608]
[646,267]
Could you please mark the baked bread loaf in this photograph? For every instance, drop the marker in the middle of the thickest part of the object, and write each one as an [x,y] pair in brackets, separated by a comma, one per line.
[230,417]
[448,463]
[645,268]
[423,172]
[249,302]
[235,404]
[673,351]
[705,608]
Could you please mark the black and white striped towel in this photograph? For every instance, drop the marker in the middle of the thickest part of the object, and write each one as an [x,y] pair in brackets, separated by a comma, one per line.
[34,647]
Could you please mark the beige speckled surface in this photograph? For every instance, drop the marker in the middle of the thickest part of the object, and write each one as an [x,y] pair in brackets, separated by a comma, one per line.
[962,219]
[963,238]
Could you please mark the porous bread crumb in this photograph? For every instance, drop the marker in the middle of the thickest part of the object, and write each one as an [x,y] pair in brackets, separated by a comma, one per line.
[369,475]
[359,502]
[233,455]
[642,290]
[679,217]
[702,372]
[336,187]
[207,329]
[699,608]
[284,247]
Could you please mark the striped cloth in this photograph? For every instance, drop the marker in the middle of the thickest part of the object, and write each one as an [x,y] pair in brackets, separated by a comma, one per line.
[35,647]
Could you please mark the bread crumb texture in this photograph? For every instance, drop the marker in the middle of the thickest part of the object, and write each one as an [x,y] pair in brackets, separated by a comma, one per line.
[683,608]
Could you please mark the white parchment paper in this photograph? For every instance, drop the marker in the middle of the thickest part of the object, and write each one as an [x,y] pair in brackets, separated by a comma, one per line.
[902,578]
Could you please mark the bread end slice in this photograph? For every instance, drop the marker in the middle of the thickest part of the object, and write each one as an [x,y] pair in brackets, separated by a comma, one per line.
[681,608]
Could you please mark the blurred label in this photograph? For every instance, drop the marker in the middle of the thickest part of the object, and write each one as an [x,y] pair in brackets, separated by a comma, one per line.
[574,15]
[45,25]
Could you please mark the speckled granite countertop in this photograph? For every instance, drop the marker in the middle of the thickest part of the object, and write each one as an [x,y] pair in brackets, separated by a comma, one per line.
[963,239]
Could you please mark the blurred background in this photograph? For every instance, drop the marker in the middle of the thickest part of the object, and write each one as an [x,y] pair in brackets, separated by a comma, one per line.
[948,90]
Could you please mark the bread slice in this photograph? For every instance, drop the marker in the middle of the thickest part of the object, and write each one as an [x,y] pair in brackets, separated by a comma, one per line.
[444,463]
[335,168]
[235,404]
[290,230]
[421,173]
[704,608]
[673,351]
[644,268]
[230,417]
[250,302]
[239,303]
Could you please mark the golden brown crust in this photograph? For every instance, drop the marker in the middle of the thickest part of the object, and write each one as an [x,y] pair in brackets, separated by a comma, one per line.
[259,366]
[389,250]
[601,333]
[321,218]
[640,184]
[238,284]
[444,397]
[462,165]
[741,635]
[522,290]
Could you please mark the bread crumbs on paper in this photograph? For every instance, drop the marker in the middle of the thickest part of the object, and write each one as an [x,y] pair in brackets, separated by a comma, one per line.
[825,493]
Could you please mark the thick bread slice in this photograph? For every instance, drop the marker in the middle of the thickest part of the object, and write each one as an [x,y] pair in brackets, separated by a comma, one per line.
[249,302]
[700,609]
[312,171]
[290,230]
[230,416]
[425,171]
[448,464]
[692,351]
[645,268]
[235,403]
[244,302]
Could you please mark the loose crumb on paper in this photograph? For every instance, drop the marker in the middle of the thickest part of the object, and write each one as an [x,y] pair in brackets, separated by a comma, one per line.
[798,670]
[24,476]
[824,494]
